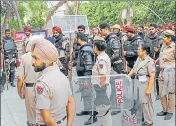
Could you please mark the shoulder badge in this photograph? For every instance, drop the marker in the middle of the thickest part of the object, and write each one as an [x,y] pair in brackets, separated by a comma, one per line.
[101,66]
[39,90]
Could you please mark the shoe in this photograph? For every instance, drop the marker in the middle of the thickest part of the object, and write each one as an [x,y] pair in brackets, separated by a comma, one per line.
[161,113]
[157,97]
[146,124]
[168,116]
[115,112]
[82,113]
[90,120]
[12,84]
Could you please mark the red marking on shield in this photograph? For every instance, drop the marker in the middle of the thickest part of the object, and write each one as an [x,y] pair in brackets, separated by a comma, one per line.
[101,66]
[18,63]
[39,90]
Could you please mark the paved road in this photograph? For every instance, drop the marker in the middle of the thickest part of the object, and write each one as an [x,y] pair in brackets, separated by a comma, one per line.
[13,112]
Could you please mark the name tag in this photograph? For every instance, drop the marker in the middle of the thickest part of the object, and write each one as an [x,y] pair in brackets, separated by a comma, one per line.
[143,78]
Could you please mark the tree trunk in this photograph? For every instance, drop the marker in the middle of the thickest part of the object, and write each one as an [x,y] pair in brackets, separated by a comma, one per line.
[6,19]
[67,9]
[76,6]
[17,14]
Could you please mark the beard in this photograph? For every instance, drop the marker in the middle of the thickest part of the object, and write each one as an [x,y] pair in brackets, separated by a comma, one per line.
[39,69]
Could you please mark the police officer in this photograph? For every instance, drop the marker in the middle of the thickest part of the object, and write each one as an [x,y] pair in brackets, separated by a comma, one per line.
[140,31]
[120,35]
[60,41]
[102,67]
[155,43]
[27,31]
[131,46]
[55,105]
[82,28]
[26,79]
[144,72]
[113,50]
[167,58]
[84,66]
[10,56]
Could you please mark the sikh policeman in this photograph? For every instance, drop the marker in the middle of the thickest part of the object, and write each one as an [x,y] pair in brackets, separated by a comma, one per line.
[144,72]
[10,56]
[26,79]
[167,58]
[55,105]
[60,40]
[27,31]
[102,67]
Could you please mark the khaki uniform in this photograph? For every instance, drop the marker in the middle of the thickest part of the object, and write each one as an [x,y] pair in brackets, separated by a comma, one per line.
[167,58]
[142,69]
[26,71]
[102,67]
[52,90]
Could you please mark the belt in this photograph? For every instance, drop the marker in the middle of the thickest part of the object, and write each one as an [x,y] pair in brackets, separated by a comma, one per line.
[59,122]
[29,84]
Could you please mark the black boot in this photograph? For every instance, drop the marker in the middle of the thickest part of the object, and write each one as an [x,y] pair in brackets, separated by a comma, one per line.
[82,113]
[90,120]
[168,116]
[161,113]
[12,84]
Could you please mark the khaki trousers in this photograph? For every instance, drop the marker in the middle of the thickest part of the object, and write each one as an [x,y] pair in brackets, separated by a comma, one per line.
[30,105]
[167,101]
[147,110]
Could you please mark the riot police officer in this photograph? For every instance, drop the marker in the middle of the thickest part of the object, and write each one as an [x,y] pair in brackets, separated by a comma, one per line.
[131,46]
[60,41]
[82,28]
[140,31]
[84,67]
[10,56]
[155,43]
[113,48]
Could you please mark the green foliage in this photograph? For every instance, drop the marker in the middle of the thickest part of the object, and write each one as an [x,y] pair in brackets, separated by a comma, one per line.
[98,12]
[36,10]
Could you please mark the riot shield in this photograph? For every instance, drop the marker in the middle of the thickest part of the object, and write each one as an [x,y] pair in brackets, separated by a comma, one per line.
[103,94]
[169,80]
[69,23]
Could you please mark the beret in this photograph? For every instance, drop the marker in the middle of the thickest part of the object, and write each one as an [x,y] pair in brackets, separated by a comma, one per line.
[130,29]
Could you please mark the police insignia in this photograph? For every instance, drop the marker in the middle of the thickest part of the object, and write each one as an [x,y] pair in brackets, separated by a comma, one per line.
[39,90]
[101,66]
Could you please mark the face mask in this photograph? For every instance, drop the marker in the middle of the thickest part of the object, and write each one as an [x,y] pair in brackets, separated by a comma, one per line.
[39,69]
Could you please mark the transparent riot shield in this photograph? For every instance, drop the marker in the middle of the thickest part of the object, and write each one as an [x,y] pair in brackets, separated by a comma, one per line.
[133,116]
[169,80]
[69,23]
[100,95]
